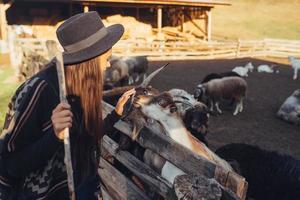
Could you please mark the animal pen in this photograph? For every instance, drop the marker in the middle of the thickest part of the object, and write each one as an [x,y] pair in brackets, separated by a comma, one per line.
[117,186]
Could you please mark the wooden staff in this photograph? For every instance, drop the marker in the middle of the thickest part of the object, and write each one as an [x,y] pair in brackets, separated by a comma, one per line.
[67,145]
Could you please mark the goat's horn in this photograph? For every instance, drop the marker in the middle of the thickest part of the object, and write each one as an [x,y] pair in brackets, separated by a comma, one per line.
[150,77]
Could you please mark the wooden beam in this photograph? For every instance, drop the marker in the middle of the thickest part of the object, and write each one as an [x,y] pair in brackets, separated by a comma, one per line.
[139,168]
[159,20]
[86,8]
[192,3]
[208,24]
[118,186]
[182,157]
[3,21]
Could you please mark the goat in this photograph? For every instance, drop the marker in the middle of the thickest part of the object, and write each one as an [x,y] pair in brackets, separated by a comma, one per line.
[224,88]
[267,68]
[295,65]
[212,76]
[124,71]
[290,109]
[194,114]
[163,109]
[117,74]
[138,67]
[270,175]
[243,71]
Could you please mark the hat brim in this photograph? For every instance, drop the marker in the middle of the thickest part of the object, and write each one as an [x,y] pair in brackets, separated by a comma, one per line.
[115,33]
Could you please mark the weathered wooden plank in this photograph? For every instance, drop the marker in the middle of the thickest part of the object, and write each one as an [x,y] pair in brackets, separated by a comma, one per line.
[118,186]
[140,169]
[168,149]
[105,195]
[180,156]
[205,3]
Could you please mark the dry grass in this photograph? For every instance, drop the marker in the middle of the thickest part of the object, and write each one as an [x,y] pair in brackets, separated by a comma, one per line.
[257,19]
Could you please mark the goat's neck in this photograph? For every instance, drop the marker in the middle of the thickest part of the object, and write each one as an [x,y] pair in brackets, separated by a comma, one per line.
[177,131]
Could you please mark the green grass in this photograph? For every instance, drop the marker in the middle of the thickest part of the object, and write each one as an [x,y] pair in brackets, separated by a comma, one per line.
[6,91]
[257,19]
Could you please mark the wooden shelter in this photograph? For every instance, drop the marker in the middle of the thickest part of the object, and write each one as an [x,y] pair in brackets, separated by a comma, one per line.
[178,9]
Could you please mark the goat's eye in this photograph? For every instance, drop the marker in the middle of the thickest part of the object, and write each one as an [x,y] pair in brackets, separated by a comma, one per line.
[161,102]
[145,92]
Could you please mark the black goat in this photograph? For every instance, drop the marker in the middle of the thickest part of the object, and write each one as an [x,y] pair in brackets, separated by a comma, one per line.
[212,76]
[196,121]
[271,176]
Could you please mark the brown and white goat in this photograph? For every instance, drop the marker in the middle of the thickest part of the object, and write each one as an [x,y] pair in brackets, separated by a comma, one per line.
[163,109]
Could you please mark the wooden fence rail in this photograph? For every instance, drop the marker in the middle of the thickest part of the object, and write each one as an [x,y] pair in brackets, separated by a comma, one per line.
[161,50]
[179,50]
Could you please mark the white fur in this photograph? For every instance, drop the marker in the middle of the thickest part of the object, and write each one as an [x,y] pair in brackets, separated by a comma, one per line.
[187,99]
[171,124]
[250,67]
[295,63]
[242,71]
[170,171]
[265,68]
[290,109]
[177,131]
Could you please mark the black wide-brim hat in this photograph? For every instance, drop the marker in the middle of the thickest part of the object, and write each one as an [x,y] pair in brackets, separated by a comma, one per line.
[84,36]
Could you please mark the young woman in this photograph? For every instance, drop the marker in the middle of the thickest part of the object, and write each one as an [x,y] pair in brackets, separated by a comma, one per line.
[31,144]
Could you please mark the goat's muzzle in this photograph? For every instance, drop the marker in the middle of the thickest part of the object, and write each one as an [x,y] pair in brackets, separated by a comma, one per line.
[173,108]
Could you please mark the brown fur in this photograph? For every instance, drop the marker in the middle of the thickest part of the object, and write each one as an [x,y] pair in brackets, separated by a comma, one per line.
[226,88]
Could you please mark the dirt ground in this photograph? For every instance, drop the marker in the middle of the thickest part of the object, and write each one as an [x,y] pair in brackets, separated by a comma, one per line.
[257,124]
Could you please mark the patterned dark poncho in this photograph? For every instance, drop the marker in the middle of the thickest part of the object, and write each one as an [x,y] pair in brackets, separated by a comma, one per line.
[31,157]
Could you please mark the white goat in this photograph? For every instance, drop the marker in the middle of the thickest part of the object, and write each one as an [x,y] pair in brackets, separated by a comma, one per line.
[224,88]
[249,66]
[295,65]
[267,69]
[243,71]
[290,109]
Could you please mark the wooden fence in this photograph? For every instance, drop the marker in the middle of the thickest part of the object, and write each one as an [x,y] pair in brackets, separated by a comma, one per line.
[198,49]
[120,187]
[181,50]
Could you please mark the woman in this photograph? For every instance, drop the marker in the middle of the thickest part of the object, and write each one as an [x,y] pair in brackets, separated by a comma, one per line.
[31,145]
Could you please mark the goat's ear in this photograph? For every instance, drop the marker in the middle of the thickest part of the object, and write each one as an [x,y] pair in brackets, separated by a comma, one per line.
[137,127]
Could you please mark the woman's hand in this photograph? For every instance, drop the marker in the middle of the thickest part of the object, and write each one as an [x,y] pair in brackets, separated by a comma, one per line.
[61,119]
[123,99]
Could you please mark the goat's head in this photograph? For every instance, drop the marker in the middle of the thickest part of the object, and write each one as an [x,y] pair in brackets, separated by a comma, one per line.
[133,112]
[297,93]
[196,119]
[156,107]
[147,105]
[199,92]
[111,75]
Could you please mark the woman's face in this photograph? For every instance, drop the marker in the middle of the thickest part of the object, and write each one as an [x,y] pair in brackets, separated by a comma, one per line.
[105,60]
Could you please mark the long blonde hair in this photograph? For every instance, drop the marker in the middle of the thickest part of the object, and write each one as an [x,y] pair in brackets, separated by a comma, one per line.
[84,80]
